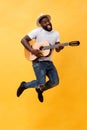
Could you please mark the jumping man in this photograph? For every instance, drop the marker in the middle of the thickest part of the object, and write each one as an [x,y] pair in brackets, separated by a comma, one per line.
[42,65]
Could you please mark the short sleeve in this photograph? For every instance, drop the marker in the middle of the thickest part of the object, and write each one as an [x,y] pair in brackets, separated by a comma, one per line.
[33,34]
[58,37]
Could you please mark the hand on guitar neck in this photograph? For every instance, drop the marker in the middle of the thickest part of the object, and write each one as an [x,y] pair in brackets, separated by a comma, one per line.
[60,47]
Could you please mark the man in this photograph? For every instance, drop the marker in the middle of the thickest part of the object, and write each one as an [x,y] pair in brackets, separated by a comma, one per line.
[43,66]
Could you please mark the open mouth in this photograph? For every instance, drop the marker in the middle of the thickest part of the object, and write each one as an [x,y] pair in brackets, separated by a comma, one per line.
[49,27]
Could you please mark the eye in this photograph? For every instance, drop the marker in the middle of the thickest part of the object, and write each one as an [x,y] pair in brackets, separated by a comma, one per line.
[45,21]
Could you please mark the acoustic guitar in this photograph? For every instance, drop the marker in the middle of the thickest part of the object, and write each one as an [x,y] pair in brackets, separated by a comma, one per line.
[46,48]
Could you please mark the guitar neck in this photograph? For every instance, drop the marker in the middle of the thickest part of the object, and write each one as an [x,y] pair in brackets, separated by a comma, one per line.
[54,46]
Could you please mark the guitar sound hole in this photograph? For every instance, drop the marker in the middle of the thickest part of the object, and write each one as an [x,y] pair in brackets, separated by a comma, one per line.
[41,48]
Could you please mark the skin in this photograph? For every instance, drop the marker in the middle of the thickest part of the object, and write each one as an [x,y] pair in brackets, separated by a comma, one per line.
[46,25]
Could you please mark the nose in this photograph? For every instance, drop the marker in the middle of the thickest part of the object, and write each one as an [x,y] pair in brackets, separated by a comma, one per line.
[48,23]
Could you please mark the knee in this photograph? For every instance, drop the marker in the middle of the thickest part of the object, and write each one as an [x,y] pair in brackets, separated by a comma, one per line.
[56,82]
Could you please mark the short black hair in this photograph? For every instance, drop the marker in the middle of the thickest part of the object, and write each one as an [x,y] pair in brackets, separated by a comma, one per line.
[42,18]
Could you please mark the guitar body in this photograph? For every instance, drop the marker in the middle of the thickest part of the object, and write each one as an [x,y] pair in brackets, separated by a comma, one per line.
[36,45]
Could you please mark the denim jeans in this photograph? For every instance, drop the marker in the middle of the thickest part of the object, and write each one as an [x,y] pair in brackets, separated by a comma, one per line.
[43,69]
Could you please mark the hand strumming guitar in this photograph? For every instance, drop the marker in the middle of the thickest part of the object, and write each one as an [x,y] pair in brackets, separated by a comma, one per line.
[37,52]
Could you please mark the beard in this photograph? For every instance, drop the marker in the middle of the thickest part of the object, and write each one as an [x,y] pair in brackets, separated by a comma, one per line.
[48,27]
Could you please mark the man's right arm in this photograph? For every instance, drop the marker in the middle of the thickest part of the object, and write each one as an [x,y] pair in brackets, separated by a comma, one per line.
[25,41]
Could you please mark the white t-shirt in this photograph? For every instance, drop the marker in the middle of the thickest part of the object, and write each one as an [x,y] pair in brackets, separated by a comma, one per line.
[41,35]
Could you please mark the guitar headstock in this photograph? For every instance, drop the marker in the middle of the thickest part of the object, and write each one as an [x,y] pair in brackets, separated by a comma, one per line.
[74,43]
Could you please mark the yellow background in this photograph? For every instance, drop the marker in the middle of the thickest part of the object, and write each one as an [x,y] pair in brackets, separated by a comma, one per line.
[65,106]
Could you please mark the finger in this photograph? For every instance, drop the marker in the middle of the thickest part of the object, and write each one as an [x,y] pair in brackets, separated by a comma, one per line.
[40,53]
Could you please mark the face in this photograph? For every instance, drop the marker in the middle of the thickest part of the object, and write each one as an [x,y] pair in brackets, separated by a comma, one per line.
[46,24]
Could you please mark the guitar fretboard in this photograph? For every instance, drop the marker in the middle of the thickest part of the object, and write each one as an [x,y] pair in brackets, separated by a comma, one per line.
[54,46]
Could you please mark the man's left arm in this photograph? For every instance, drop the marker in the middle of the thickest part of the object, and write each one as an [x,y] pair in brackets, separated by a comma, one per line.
[60,47]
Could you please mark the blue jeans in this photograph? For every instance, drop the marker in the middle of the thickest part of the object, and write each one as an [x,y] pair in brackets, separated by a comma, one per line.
[43,69]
